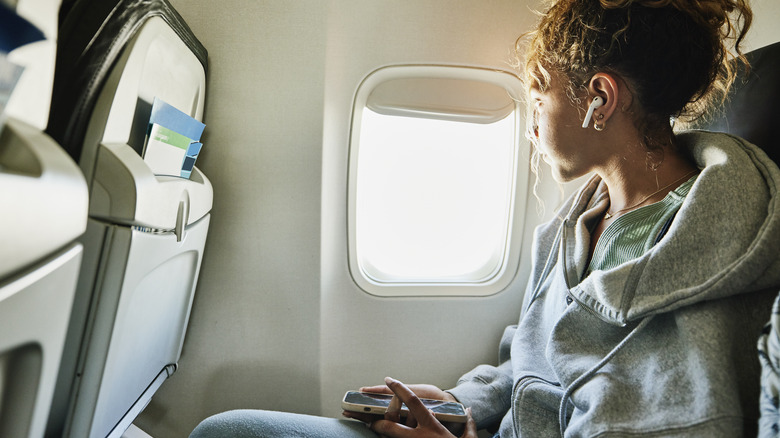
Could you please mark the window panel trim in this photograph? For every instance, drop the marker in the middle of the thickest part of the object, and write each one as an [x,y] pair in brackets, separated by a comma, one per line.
[505,272]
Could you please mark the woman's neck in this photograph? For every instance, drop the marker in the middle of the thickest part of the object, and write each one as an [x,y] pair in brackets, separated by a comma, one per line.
[633,183]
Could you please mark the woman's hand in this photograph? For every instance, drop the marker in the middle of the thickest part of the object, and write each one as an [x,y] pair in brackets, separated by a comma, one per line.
[420,422]
[422,391]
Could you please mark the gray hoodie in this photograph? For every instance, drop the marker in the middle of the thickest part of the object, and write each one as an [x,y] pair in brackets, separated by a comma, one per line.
[662,345]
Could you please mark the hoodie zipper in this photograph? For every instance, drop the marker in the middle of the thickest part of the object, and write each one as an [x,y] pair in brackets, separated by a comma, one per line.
[598,315]
[548,267]
[569,295]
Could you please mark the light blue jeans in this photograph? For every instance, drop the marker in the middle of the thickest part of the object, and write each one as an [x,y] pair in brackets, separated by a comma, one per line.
[251,423]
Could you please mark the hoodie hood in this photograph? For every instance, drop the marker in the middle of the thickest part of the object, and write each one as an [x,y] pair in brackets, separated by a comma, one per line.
[703,256]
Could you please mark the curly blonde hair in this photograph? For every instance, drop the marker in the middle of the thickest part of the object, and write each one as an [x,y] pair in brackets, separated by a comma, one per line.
[674,54]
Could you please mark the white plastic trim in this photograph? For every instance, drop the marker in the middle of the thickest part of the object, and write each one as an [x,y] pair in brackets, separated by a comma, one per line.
[511,260]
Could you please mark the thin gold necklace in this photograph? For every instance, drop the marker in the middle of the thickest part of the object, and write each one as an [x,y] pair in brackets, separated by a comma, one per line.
[609,215]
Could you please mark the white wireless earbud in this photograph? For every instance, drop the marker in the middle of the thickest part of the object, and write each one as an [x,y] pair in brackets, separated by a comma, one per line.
[597,102]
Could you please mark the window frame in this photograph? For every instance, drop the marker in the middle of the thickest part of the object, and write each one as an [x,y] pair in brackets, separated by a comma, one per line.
[505,273]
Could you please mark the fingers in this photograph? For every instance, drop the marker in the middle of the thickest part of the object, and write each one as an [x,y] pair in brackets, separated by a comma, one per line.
[390,429]
[422,390]
[471,426]
[360,416]
[384,427]
[419,422]
[382,389]
[416,408]
[393,412]
[411,421]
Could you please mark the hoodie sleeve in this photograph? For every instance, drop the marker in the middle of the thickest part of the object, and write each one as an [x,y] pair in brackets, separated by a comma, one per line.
[487,389]
[769,357]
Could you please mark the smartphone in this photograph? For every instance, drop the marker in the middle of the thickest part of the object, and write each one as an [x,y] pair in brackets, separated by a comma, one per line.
[373,403]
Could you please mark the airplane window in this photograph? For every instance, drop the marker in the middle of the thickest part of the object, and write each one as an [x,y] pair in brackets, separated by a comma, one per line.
[432,198]
[432,187]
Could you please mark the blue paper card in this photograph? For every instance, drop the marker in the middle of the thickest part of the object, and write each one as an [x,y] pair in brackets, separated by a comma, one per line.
[172,141]
[167,115]
[189,159]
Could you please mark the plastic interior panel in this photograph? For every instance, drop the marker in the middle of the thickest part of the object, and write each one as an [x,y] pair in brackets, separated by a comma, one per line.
[92,240]
[141,322]
[39,182]
[124,190]
[120,429]
[448,99]
[20,372]
[34,312]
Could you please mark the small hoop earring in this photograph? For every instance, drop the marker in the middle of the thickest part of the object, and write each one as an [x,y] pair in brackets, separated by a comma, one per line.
[598,127]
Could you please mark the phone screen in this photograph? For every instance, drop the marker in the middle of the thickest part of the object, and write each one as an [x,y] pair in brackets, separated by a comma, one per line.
[437,406]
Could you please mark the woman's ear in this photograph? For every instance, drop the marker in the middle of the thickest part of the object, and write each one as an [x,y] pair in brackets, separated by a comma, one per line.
[607,87]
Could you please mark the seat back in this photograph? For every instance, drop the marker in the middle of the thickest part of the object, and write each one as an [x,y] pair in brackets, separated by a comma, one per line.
[146,233]
[753,111]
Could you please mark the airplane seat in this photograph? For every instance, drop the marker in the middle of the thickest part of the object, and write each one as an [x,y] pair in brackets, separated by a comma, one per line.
[752,113]
[43,199]
[146,232]
[752,110]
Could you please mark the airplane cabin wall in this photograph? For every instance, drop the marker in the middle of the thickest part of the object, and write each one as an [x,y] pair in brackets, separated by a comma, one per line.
[259,284]
[277,322]
[423,340]
[764,30]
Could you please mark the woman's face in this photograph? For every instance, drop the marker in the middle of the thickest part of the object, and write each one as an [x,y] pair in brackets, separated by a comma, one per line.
[560,138]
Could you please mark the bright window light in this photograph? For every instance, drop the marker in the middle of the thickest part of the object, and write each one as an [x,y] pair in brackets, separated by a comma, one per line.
[433,198]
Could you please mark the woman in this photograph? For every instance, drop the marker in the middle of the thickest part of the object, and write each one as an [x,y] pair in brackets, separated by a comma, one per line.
[649,288]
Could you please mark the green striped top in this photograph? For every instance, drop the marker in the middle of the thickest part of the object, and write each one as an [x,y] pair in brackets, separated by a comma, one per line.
[635,232]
